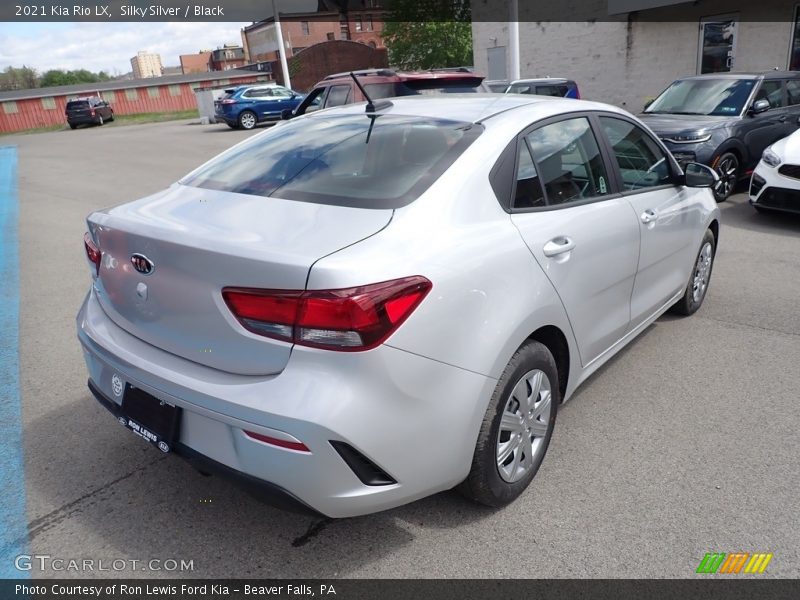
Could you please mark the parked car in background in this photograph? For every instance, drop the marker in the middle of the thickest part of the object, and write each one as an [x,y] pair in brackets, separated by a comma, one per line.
[545,86]
[498,86]
[91,110]
[397,300]
[246,106]
[726,120]
[339,89]
[775,184]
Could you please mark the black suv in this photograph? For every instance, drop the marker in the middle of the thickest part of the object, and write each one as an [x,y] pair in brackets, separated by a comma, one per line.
[725,120]
[92,109]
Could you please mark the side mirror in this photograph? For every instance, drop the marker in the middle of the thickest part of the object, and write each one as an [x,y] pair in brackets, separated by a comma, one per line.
[699,176]
[286,114]
[760,106]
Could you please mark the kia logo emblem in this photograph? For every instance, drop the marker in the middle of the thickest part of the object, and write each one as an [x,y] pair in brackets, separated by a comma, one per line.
[142,264]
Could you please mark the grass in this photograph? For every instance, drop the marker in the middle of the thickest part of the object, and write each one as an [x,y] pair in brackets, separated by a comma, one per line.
[119,121]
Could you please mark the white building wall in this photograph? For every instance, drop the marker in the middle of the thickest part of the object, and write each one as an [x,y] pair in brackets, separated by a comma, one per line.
[627,64]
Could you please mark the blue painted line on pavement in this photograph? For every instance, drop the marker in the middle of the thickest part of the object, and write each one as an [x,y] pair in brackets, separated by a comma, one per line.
[13,518]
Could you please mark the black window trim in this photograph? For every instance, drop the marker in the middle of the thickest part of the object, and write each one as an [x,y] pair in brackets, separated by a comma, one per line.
[675,170]
[613,179]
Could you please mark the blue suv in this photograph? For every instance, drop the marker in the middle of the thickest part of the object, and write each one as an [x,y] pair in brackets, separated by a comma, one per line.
[248,105]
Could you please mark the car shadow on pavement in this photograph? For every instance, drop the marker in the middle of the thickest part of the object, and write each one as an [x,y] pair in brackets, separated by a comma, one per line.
[737,212]
[133,502]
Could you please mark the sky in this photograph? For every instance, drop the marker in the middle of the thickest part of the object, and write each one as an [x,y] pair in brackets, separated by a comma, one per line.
[107,46]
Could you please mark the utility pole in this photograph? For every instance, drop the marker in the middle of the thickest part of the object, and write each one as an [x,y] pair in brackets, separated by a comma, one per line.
[513,39]
[282,49]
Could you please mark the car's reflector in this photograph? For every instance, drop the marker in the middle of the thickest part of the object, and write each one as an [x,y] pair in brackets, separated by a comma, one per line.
[350,319]
[299,446]
[92,252]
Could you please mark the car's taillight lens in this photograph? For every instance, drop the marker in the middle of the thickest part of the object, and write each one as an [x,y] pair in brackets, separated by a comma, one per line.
[349,319]
[92,252]
[229,101]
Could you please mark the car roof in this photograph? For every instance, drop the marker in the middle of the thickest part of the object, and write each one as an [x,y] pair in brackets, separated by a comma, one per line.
[458,73]
[746,75]
[543,80]
[473,108]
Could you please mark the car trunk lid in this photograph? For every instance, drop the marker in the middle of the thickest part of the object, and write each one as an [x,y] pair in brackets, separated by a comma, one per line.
[199,241]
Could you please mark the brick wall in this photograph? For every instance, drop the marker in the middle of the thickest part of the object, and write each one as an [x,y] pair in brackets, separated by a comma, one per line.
[316,62]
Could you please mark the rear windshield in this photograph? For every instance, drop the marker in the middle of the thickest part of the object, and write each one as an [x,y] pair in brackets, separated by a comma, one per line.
[540,89]
[77,105]
[382,161]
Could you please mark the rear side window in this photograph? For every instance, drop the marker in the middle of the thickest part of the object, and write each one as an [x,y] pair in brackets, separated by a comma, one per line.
[568,161]
[351,160]
[793,91]
[337,95]
[528,192]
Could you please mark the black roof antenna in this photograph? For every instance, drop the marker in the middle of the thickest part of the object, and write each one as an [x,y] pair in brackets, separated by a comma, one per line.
[371,106]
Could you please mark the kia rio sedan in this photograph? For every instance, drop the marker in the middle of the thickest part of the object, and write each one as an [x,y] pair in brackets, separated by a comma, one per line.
[359,309]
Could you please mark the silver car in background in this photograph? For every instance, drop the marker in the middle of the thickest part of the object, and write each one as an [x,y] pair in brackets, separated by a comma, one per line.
[359,309]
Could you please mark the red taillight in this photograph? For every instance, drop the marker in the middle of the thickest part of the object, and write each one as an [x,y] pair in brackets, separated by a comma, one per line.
[350,319]
[92,112]
[299,446]
[228,101]
[92,252]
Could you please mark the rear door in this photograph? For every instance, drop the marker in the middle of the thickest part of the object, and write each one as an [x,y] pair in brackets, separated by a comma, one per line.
[668,215]
[78,110]
[583,235]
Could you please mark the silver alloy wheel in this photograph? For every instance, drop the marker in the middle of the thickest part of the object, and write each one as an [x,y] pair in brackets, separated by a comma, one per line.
[523,426]
[701,272]
[726,170]
[248,120]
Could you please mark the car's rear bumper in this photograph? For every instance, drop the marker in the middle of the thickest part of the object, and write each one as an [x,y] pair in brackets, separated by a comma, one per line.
[773,191]
[83,120]
[411,417]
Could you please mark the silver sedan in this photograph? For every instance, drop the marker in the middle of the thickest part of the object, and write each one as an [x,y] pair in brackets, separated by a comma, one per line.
[360,308]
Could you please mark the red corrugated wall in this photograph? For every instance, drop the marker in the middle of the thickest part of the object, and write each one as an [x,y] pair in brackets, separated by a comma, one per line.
[32,112]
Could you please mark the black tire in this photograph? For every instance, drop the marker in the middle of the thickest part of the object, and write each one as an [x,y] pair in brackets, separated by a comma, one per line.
[247,119]
[727,167]
[111,116]
[72,126]
[100,120]
[232,125]
[484,484]
[759,209]
[688,304]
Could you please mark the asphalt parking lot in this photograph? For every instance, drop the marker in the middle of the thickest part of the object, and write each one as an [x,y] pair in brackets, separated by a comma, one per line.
[685,443]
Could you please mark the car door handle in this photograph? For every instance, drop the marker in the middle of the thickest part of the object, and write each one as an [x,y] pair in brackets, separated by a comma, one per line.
[782,119]
[648,216]
[558,245]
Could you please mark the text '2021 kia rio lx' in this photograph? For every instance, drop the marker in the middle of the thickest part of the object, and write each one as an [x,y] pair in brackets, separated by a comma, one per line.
[359,309]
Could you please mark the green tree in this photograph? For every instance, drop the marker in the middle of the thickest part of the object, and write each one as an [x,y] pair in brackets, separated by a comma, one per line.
[55,77]
[13,78]
[427,34]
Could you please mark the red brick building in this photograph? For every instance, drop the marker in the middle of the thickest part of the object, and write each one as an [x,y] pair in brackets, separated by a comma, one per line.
[228,57]
[196,63]
[362,22]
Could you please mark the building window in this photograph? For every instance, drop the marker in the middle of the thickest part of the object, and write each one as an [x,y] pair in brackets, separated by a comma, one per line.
[153,92]
[229,54]
[794,57]
[224,82]
[717,51]
[109,96]
[131,94]
[10,107]
[49,103]
[359,25]
[174,90]
[372,44]
[330,36]
[305,27]
[368,23]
